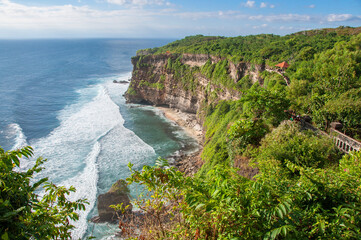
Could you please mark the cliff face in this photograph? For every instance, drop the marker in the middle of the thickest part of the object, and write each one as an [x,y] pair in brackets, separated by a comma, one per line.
[178,82]
[152,83]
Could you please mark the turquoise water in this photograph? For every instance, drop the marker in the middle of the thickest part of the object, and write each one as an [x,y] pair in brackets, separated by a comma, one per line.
[59,97]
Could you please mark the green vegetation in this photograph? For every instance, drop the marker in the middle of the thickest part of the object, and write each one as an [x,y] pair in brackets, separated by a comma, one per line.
[217,121]
[183,74]
[131,91]
[262,108]
[233,125]
[303,187]
[287,143]
[267,48]
[286,201]
[23,213]
[218,74]
[157,85]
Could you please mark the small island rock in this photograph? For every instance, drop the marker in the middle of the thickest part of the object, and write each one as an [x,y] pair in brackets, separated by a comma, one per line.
[117,194]
[121,81]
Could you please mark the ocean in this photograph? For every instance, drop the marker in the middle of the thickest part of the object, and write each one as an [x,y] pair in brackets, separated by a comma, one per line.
[58,96]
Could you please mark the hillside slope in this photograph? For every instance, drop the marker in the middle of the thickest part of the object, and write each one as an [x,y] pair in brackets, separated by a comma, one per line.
[288,182]
[225,80]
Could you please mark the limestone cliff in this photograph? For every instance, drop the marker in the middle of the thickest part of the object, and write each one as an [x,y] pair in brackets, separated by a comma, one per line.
[180,81]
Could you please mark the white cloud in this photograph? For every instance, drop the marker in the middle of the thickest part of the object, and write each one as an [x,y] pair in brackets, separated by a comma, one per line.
[237,15]
[282,18]
[342,17]
[265,5]
[21,20]
[54,21]
[260,26]
[249,4]
[312,6]
[139,2]
[202,15]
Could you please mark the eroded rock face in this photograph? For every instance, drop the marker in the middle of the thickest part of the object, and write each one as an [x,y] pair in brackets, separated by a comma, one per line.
[154,83]
[198,59]
[117,194]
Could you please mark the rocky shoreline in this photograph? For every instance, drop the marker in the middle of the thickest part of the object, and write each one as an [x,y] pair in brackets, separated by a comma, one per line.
[189,164]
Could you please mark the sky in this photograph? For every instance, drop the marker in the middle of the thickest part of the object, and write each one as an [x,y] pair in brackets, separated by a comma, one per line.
[23,19]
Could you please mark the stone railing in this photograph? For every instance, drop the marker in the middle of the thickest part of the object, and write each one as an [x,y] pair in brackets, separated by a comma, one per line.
[344,142]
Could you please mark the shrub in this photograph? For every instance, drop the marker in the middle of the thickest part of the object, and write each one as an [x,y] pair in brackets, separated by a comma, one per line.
[303,148]
[26,215]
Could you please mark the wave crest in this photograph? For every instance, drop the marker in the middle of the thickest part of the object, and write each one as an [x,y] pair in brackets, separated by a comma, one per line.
[15,132]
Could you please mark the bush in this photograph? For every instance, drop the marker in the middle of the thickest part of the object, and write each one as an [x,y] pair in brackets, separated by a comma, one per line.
[23,214]
[313,204]
[259,102]
[217,121]
[246,131]
[303,148]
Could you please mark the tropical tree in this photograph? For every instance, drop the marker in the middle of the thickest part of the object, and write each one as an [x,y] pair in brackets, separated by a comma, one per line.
[23,213]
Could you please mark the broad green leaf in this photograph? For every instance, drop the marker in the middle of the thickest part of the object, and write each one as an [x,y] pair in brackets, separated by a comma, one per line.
[199,206]
[5,236]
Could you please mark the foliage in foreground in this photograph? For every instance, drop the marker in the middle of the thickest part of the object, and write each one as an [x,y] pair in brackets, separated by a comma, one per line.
[23,213]
[311,203]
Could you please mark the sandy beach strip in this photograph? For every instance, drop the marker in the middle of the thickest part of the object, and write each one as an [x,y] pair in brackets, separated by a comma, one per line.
[187,121]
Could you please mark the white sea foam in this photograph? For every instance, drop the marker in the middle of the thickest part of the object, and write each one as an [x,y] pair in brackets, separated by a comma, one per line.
[119,147]
[91,144]
[84,95]
[91,148]
[86,183]
[73,147]
[16,132]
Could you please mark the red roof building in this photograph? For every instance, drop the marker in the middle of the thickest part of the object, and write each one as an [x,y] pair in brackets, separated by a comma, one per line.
[283,65]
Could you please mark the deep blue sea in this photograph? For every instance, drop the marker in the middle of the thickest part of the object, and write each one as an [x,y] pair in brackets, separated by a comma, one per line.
[58,96]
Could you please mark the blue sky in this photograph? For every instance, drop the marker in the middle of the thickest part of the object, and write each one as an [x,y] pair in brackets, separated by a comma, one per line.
[170,18]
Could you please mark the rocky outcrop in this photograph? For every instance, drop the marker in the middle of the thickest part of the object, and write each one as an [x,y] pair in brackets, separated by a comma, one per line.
[152,83]
[121,81]
[198,59]
[117,194]
[187,89]
[189,164]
